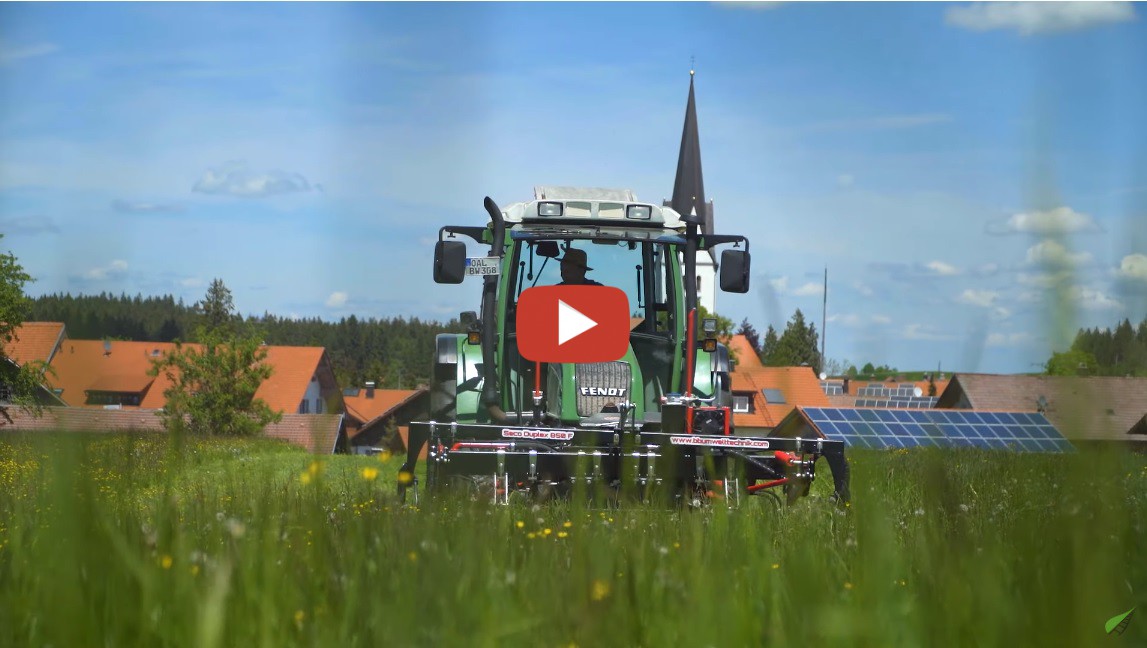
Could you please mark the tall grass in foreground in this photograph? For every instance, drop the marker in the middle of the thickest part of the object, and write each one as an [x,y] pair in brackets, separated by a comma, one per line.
[118,541]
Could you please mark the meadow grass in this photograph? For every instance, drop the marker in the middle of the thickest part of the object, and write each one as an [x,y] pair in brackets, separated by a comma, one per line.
[135,540]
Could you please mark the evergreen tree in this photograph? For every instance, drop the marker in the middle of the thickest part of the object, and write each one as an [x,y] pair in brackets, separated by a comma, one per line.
[797,345]
[769,347]
[751,335]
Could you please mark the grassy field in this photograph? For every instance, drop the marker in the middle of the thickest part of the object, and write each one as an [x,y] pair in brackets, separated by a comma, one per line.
[132,541]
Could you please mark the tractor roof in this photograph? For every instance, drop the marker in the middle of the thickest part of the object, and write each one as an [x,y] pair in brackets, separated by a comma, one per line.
[598,207]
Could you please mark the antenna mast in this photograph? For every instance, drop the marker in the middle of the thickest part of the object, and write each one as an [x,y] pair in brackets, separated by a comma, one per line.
[824,321]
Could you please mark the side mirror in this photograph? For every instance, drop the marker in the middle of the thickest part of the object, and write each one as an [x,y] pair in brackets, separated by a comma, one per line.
[735,271]
[548,249]
[449,262]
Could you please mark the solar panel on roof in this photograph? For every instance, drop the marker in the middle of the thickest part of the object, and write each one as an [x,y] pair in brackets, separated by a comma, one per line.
[904,428]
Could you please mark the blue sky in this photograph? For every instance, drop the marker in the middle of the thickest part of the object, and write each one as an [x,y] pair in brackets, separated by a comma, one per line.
[974,176]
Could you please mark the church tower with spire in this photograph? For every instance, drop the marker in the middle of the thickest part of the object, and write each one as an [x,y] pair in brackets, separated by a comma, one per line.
[689,197]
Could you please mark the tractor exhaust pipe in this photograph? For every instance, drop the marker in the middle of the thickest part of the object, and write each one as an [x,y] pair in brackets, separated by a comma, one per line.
[490,397]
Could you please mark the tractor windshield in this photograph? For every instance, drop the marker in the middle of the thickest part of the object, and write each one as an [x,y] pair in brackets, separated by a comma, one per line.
[641,269]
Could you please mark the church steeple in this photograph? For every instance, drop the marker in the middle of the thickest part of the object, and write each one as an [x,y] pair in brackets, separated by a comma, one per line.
[689,186]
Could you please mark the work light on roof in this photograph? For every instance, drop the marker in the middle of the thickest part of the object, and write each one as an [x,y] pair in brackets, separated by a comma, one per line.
[549,209]
[638,212]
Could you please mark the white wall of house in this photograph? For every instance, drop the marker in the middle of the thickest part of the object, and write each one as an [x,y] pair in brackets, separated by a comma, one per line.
[313,399]
[707,282]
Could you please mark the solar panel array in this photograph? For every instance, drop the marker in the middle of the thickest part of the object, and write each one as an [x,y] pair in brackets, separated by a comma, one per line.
[905,428]
[899,402]
[883,391]
[832,388]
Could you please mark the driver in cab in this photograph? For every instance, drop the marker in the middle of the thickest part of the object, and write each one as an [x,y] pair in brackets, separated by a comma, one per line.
[573,269]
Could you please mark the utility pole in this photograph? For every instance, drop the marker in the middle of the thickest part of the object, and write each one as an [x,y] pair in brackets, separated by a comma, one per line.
[824,323]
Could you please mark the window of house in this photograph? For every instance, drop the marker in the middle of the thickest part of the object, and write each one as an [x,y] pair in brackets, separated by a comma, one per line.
[318,406]
[113,398]
[774,396]
[742,403]
[304,406]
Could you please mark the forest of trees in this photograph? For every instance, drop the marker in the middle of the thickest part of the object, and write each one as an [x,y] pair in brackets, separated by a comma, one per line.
[1121,351]
[393,352]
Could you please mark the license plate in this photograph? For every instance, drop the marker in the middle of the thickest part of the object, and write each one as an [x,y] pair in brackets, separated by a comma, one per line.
[482,266]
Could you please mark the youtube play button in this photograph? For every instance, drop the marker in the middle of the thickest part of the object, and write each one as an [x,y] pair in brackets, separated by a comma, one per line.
[573,324]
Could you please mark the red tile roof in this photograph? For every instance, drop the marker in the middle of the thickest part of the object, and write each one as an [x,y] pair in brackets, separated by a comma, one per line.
[82,365]
[798,385]
[366,410]
[314,432]
[1091,407]
[34,341]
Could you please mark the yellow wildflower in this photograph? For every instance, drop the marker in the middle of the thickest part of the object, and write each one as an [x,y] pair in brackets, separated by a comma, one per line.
[413,556]
[305,478]
[166,562]
[847,585]
[547,531]
[369,474]
[405,477]
[599,590]
[776,565]
[567,524]
[562,534]
[384,456]
[519,524]
[299,616]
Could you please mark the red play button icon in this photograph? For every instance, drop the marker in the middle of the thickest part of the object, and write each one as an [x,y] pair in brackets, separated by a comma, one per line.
[573,324]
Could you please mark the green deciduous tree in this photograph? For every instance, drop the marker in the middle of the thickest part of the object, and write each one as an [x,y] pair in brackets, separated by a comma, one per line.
[19,383]
[213,385]
[1071,363]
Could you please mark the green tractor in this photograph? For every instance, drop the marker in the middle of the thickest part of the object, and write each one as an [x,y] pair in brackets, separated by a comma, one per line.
[655,423]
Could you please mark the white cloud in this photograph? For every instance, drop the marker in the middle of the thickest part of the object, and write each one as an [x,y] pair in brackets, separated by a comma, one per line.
[1001,313]
[337,300]
[9,54]
[1054,254]
[1008,339]
[1061,220]
[237,179]
[1044,279]
[849,319]
[924,332]
[943,269]
[981,298]
[146,207]
[809,289]
[780,284]
[191,282]
[1038,17]
[881,319]
[1091,299]
[115,268]
[988,269]
[1133,267]
[845,180]
[863,289]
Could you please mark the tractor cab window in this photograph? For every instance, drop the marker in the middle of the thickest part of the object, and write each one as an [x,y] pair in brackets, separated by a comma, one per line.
[640,269]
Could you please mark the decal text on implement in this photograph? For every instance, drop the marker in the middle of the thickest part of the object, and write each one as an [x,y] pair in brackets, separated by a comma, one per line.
[720,442]
[551,435]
